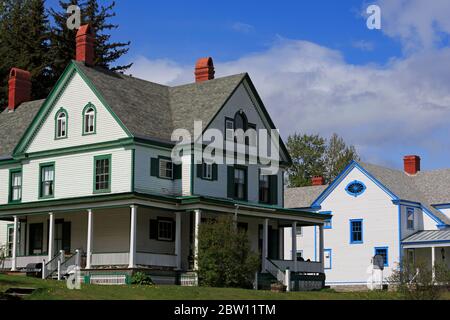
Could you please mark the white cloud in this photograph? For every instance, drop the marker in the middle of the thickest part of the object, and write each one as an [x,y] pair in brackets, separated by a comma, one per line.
[419,24]
[363,45]
[243,27]
[386,111]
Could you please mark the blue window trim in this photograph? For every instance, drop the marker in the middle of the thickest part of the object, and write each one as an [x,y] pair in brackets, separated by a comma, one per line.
[331,259]
[410,210]
[330,226]
[355,194]
[362,231]
[386,264]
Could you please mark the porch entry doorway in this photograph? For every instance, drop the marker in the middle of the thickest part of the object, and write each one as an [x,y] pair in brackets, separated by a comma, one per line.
[36,245]
[274,242]
[62,236]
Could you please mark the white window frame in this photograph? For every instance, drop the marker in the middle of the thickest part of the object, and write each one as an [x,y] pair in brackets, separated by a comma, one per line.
[61,125]
[164,171]
[229,129]
[168,224]
[90,121]
[410,212]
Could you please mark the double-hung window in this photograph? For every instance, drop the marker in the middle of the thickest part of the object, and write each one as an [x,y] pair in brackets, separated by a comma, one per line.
[240,184]
[229,129]
[264,188]
[47,181]
[61,125]
[165,169]
[356,231]
[10,240]
[89,120]
[207,171]
[410,218]
[165,230]
[102,174]
[383,251]
[15,185]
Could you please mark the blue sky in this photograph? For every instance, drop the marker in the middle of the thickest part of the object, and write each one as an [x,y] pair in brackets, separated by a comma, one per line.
[317,66]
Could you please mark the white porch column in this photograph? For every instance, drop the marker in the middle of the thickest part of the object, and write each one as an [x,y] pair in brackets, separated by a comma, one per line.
[321,247]
[51,236]
[433,262]
[14,248]
[132,262]
[265,252]
[294,244]
[89,239]
[178,239]
[198,219]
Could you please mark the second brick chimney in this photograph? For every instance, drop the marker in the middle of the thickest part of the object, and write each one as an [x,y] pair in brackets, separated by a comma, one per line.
[85,45]
[19,88]
[204,70]
[318,181]
[412,164]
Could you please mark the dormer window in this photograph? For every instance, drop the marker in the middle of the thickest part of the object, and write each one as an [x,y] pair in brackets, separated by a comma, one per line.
[240,121]
[61,124]
[89,119]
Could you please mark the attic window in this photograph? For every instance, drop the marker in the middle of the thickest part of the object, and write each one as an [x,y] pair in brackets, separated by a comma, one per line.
[89,119]
[355,188]
[61,124]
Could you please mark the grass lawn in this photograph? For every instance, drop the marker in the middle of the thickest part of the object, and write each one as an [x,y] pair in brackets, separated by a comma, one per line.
[54,290]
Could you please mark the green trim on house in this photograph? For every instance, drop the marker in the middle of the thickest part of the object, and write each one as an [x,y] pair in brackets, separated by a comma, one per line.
[11,172]
[133,168]
[98,158]
[83,129]
[41,166]
[61,110]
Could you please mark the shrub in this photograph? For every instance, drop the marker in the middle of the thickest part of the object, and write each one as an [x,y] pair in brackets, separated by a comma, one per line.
[225,257]
[415,281]
[142,279]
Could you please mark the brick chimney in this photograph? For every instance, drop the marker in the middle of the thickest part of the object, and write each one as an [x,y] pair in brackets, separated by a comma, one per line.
[19,88]
[412,164]
[85,45]
[204,70]
[318,181]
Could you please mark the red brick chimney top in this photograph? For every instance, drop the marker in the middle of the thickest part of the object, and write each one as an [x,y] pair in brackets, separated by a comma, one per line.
[19,88]
[411,164]
[204,69]
[318,181]
[85,41]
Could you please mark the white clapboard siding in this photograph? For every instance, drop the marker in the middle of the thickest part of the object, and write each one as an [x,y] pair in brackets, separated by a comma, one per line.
[3,233]
[74,174]
[144,182]
[380,229]
[74,99]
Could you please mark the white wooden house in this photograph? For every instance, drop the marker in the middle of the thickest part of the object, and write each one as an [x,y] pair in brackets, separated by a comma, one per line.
[376,211]
[89,170]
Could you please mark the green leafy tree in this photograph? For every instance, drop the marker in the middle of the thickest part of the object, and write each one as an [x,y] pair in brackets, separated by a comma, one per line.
[107,53]
[337,156]
[313,155]
[307,153]
[225,258]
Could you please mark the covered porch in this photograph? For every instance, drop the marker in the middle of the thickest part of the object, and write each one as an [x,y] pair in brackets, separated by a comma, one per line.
[429,248]
[143,232]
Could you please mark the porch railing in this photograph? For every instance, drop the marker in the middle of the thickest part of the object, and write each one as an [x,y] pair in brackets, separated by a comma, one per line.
[49,268]
[275,271]
[155,259]
[300,266]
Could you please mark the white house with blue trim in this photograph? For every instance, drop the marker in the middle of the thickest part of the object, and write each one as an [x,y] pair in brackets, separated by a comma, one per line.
[375,211]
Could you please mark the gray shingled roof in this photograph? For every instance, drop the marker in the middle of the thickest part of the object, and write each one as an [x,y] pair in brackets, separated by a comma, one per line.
[302,197]
[14,124]
[419,188]
[151,110]
[429,236]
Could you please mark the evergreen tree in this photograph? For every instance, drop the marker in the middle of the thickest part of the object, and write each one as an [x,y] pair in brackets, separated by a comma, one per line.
[98,16]
[24,43]
[337,156]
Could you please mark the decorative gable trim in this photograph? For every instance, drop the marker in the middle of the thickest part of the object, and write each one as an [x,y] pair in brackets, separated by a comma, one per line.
[317,203]
[51,101]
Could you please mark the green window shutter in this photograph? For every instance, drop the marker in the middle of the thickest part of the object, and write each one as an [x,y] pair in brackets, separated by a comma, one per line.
[154,167]
[199,171]
[177,171]
[154,229]
[230,182]
[215,172]
[273,189]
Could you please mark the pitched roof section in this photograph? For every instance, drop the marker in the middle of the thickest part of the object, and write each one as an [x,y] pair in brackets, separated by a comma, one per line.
[302,197]
[151,110]
[428,236]
[14,124]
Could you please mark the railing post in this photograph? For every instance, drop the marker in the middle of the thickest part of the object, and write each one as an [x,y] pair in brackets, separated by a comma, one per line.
[43,269]
[59,270]
[288,280]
